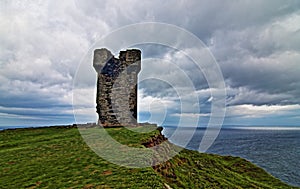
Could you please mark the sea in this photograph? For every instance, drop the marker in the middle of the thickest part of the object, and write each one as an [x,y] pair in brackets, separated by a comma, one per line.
[275,149]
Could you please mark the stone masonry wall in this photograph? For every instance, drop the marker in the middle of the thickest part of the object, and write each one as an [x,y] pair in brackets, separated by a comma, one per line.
[117,86]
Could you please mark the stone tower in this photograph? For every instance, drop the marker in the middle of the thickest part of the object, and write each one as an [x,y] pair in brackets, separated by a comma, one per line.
[117,86]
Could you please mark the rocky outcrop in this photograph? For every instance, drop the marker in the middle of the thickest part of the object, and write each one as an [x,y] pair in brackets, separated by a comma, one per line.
[155,140]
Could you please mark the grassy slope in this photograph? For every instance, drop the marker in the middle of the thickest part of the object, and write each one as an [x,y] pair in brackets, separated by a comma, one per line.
[59,158]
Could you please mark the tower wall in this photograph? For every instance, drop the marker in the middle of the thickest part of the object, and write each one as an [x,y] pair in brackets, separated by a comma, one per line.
[117,86]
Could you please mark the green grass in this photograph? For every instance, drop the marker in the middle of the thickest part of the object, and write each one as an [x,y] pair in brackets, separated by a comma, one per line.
[59,158]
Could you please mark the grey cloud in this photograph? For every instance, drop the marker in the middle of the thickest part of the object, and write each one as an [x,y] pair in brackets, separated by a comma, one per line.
[255,43]
[277,75]
[240,96]
[263,59]
[41,47]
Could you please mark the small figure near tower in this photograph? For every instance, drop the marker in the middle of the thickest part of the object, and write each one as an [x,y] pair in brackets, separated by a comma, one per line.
[117,87]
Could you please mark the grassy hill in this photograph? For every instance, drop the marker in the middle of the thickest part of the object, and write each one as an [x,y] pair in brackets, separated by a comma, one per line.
[57,157]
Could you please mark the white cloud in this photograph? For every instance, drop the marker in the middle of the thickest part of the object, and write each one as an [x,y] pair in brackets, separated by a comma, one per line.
[191,115]
[242,95]
[155,105]
[252,111]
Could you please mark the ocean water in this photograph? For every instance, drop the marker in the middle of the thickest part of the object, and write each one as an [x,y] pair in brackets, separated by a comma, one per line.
[277,150]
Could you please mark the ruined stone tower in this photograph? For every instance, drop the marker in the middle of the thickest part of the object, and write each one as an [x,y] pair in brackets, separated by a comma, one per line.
[117,86]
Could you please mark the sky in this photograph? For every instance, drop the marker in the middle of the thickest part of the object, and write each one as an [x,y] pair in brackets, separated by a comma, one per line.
[255,43]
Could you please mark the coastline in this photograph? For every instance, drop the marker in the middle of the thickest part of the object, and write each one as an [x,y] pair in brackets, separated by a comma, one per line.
[185,159]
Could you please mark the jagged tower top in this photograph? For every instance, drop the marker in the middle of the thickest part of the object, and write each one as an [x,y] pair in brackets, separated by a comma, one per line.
[103,55]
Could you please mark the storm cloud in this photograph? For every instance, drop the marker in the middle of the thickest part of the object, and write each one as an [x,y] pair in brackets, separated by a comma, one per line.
[255,43]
